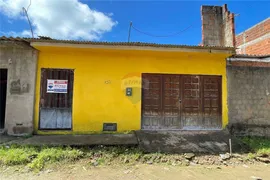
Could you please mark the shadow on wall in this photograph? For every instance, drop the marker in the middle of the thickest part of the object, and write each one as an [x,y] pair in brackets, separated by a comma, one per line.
[241,129]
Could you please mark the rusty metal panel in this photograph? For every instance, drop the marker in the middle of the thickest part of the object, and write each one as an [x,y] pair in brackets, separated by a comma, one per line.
[52,118]
[56,108]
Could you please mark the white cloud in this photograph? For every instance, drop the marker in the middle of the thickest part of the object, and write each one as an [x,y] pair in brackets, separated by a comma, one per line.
[61,19]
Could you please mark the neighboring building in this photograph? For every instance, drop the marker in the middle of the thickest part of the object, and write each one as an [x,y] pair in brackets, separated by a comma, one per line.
[255,40]
[249,83]
[18,62]
[218,29]
[249,95]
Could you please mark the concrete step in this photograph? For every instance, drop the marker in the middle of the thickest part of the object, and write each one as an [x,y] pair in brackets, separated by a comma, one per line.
[186,141]
[79,140]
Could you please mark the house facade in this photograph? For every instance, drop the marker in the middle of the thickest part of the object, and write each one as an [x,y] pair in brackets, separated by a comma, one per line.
[129,86]
[81,87]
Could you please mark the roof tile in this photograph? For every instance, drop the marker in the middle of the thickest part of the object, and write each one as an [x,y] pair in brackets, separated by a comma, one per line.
[49,40]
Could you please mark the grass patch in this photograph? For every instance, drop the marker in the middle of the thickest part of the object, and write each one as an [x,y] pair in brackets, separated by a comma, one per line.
[114,154]
[17,155]
[261,146]
[37,158]
[52,155]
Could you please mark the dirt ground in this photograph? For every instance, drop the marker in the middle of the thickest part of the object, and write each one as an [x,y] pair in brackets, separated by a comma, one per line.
[81,170]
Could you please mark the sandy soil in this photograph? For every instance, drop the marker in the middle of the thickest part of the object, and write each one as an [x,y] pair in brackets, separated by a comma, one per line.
[81,170]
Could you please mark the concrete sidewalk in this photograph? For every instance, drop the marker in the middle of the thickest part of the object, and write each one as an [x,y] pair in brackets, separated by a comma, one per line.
[8,139]
[72,140]
[148,141]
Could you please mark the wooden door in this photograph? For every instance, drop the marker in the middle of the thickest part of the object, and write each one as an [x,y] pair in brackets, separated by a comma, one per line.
[152,114]
[56,106]
[171,104]
[161,101]
[192,102]
[212,102]
[189,102]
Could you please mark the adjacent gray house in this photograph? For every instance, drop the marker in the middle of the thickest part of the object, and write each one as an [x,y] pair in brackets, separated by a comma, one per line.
[18,61]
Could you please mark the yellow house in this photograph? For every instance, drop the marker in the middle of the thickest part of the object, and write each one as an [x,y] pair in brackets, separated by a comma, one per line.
[86,87]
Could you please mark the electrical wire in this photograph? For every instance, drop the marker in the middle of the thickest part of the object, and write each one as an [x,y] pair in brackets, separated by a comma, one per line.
[169,35]
[29,22]
[29,6]
[161,36]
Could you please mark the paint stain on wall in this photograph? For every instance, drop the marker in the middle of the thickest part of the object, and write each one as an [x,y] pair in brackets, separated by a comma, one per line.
[16,87]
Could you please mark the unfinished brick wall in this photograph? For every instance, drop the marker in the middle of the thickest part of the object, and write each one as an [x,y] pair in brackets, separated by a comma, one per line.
[217,26]
[255,40]
[249,98]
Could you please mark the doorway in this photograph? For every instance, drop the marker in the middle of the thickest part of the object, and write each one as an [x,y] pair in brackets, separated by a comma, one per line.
[187,102]
[56,95]
[3,96]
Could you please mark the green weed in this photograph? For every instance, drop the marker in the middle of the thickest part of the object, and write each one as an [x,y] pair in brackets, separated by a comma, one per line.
[36,158]
[17,155]
[51,155]
[261,146]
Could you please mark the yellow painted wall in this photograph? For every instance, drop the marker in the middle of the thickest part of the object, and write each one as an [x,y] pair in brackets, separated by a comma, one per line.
[101,75]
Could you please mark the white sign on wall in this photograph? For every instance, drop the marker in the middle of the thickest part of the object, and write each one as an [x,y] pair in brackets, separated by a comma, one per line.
[57,86]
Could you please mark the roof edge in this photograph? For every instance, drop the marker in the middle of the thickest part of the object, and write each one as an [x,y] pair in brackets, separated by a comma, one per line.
[136,46]
[120,45]
[250,58]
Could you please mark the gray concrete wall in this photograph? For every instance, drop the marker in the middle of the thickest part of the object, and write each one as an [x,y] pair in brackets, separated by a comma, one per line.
[187,141]
[249,100]
[21,61]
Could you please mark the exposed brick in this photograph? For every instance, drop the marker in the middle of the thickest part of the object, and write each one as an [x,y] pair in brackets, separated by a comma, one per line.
[254,33]
[260,48]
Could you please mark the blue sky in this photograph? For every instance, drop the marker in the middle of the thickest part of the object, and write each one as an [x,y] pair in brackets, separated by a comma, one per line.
[155,17]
